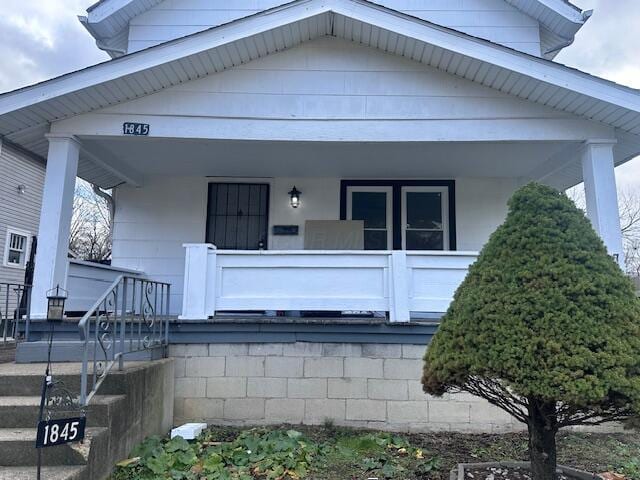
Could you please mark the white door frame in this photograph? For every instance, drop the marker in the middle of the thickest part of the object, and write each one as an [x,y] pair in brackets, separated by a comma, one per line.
[444,191]
[384,189]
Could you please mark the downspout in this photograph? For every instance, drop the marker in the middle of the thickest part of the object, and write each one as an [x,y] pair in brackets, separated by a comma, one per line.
[586,15]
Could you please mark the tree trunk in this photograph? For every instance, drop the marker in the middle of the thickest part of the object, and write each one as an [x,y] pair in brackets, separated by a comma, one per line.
[542,442]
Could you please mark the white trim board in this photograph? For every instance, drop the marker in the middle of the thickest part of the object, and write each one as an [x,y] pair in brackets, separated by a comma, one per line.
[140,74]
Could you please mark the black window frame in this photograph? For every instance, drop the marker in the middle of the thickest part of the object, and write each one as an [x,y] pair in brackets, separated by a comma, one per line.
[396,186]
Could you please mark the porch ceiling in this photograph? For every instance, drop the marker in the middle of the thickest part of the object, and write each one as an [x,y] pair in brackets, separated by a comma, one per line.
[25,114]
[169,157]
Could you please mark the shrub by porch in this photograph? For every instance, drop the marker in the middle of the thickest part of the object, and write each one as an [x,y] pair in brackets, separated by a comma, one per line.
[545,326]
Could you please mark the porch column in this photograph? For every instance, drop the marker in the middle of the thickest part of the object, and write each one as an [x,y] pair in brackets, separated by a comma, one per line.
[55,220]
[602,195]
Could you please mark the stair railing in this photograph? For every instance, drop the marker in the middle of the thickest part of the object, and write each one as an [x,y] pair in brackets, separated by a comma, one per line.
[132,316]
[15,300]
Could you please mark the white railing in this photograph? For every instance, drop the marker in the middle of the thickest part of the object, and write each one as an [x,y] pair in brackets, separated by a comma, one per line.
[397,282]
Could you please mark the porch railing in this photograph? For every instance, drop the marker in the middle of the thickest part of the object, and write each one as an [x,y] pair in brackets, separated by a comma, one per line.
[14,309]
[132,316]
[397,282]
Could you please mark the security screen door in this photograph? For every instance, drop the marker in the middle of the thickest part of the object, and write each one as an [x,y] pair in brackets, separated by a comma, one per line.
[238,216]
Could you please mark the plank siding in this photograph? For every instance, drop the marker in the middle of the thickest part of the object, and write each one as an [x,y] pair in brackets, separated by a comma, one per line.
[493,20]
[331,78]
[152,223]
[19,211]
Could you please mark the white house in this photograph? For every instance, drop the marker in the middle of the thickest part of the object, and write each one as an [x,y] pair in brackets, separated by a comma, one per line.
[404,125]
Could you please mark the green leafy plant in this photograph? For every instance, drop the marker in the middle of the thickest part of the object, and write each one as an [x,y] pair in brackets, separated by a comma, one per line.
[545,326]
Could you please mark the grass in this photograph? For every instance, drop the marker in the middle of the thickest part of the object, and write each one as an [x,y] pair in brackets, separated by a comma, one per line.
[332,453]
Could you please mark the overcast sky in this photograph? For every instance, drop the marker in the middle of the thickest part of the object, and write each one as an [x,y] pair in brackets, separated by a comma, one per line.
[40,39]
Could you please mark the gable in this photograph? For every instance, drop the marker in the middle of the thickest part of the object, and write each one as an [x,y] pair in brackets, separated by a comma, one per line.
[331,78]
[494,20]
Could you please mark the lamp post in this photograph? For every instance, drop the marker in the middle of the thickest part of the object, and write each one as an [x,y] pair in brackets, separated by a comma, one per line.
[56,298]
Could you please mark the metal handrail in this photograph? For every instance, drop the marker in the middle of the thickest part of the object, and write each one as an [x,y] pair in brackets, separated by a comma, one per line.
[131,316]
[15,300]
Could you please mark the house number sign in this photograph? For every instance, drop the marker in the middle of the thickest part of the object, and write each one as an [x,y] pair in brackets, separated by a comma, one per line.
[60,431]
[136,129]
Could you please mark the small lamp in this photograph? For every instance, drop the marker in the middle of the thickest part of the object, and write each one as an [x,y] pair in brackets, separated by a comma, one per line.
[22,188]
[56,298]
[295,197]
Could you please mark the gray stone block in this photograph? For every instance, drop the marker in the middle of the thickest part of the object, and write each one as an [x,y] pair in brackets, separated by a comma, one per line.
[388,389]
[381,350]
[403,369]
[284,410]
[242,366]
[190,387]
[323,367]
[244,409]
[319,410]
[226,387]
[407,412]
[302,349]
[307,388]
[363,368]
[289,367]
[267,387]
[205,367]
[347,388]
[369,410]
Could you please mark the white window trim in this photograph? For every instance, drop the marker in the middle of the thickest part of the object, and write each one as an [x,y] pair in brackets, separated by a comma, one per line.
[445,211]
[27,252]
[385,189]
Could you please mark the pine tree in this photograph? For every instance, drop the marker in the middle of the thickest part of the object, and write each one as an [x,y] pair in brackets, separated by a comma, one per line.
[545,326]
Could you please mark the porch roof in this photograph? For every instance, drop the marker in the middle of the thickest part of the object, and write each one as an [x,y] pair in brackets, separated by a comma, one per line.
[25,114]
[107,21]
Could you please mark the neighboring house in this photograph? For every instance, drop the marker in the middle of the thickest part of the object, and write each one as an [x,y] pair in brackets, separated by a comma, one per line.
[281,164]
[21,182]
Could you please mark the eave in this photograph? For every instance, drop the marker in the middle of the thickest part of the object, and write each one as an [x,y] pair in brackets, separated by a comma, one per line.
[108,21]
[25,114]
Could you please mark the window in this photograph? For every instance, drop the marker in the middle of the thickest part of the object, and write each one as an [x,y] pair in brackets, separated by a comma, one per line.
[373,206]
[16,249]
[402,214]
[425,223]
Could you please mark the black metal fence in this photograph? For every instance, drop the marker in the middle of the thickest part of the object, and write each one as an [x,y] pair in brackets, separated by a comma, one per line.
[15,299]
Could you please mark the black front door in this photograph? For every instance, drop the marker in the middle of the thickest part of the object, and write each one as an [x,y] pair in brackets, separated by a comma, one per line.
[238,217]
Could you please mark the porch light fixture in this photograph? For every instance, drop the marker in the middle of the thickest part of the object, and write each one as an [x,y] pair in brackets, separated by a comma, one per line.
[21,189]
[295,197]
[56,298]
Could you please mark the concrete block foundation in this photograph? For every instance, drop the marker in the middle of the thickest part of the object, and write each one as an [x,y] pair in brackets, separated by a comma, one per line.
[350,384]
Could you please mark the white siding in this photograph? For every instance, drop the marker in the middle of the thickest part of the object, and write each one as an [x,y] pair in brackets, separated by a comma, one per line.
[154,221]
[493,20]
[19,211]
[331,78]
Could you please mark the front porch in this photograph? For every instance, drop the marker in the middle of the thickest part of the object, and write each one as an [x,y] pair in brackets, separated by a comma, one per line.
[393,243]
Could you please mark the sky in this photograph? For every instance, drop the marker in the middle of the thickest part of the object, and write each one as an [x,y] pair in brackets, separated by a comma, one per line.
[40,39]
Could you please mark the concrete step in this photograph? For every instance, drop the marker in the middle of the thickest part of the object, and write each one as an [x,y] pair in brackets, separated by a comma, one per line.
[26,379]
[72,351]
[17,448]
[16,412]
[48,473]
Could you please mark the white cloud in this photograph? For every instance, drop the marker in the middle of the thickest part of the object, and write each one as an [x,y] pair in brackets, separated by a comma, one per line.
[40,39]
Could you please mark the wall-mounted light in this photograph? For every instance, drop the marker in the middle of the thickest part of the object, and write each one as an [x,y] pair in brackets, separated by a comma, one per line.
[21,189]
[295,197]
